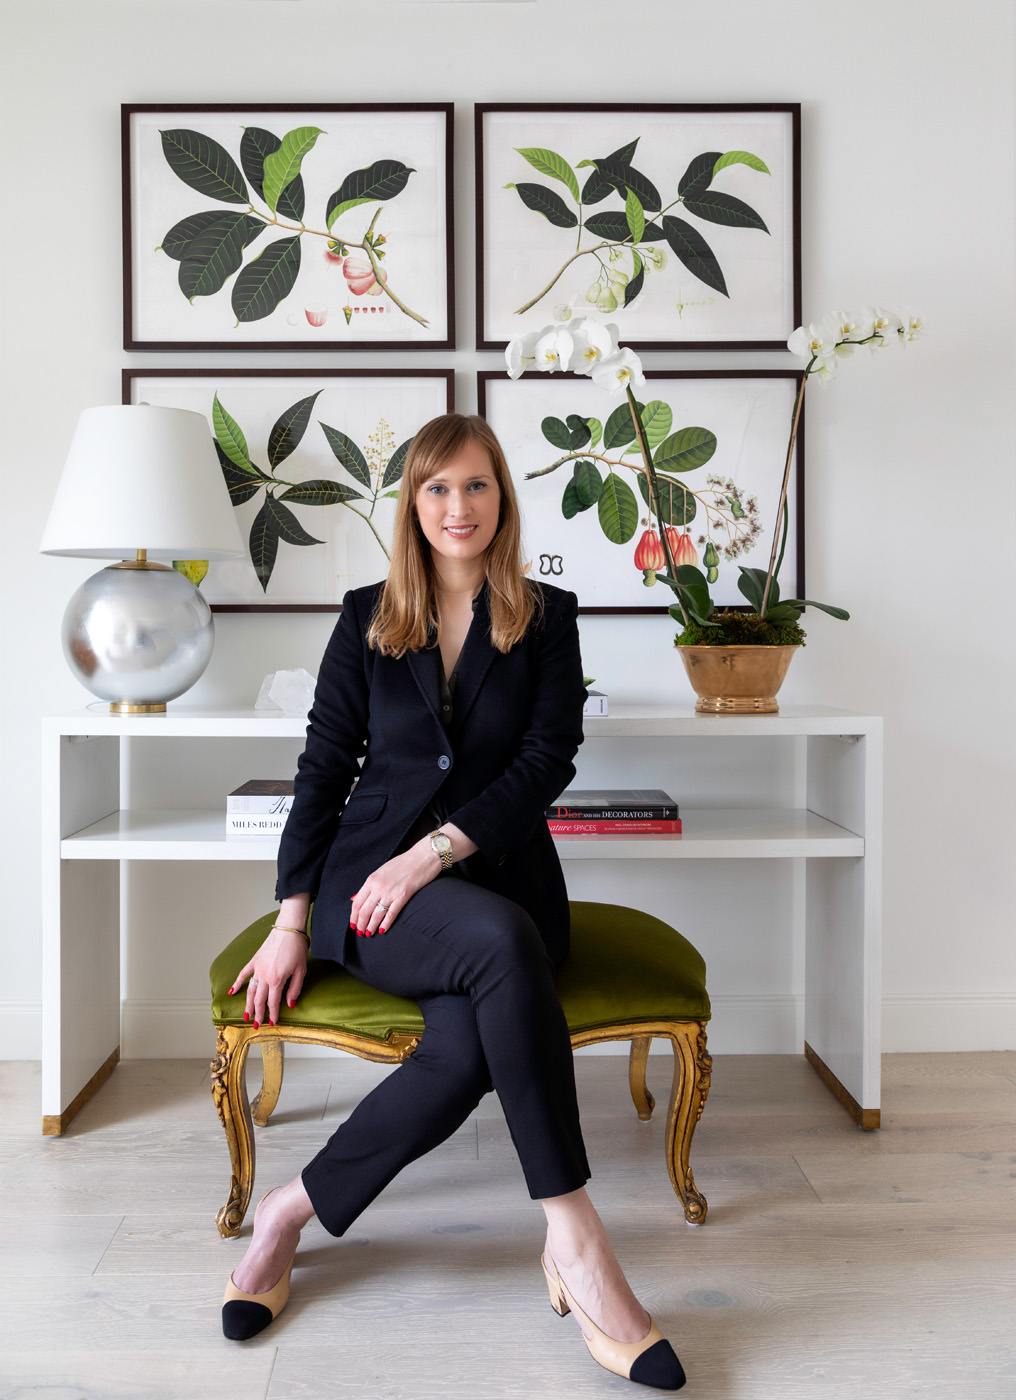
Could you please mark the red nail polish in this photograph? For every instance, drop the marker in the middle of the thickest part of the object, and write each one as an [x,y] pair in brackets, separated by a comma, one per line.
[257,1025]
[246,1015]
[271,1023]
[232,991]
[382,929]
[290,1004]
[354,928]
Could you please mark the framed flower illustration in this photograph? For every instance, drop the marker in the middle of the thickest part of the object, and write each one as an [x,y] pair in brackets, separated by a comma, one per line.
[312,460]
[681,221]
[719,444]
[286,227]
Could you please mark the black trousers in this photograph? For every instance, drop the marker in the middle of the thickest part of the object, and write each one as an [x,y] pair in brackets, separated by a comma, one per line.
[478,967]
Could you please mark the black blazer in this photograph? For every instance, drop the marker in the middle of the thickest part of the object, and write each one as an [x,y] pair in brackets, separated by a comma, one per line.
[517,723]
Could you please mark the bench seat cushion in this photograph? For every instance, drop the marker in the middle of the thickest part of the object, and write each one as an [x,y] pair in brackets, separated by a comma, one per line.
[625,966]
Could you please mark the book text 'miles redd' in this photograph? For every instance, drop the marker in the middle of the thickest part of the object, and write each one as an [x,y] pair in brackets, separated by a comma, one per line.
[614,811]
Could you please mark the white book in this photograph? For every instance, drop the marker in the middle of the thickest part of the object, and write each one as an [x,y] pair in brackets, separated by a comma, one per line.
[238,824]
[262,797]
[596,703]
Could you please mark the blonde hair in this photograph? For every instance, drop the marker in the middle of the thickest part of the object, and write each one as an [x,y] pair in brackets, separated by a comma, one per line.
[406,617]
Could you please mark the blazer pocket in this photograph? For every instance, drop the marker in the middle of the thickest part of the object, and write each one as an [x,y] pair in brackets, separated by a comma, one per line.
[364,807]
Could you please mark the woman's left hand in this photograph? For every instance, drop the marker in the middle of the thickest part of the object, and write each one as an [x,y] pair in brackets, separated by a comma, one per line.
[386,892]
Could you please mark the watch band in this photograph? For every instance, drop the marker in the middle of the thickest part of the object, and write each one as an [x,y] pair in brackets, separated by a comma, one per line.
[441,845]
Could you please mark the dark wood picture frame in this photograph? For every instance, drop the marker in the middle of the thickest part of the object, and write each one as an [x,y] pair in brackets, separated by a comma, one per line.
[577,393]
[256,454]
[216,243]
[722,215]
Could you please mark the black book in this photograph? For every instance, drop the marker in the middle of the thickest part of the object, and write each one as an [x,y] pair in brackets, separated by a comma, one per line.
[613,804]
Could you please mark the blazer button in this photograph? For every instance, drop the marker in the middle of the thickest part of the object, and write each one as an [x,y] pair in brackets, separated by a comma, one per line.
[444,761]
[501,860]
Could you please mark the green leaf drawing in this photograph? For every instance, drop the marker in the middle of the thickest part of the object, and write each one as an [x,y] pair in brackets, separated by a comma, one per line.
[596,187]
[204,165]
[571,502]
[288,429]
[255,144]
[720,208]
[595,430]
[240,483]
[610,224]
[699,175]
[182,234]
[547,203]
[637,282]
[556,433]
[214,254]
[320,492]
[657,418]
[283,166]
[266,280]
[694,252]
[685,450]
[382,180]
[578,430]
[618,510]
[588,483]
[677,503]
[550,163]
[740,158]
[618,429]
[286,525]
[263,544]
[229,436]
[396,466]
[635,215]
[625,177]
[347,454]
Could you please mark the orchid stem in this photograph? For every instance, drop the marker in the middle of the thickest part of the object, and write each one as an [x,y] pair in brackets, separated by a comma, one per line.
[781,513]
[640,433]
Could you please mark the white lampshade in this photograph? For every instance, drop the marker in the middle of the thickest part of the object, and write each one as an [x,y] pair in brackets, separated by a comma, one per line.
[140,477]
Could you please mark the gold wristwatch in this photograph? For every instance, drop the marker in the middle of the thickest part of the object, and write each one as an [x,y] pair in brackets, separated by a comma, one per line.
[441,845]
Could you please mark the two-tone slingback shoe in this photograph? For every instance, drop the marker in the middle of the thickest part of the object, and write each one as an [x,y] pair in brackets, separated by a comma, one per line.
[244,1315]
[652,1361]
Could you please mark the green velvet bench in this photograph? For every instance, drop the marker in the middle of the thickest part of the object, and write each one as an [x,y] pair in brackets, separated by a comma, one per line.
[629,976]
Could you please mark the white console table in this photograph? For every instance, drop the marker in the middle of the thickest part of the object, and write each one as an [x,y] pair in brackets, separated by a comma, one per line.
[835,822]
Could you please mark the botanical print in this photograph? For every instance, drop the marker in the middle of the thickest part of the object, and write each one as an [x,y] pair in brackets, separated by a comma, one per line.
[250,227]
[680,224]
[718,442]
[312,463]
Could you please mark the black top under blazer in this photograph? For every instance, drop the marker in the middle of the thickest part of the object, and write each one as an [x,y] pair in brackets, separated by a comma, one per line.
[506,756]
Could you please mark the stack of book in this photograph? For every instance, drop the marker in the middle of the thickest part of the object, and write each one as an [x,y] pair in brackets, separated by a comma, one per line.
[614,812]
[259,808]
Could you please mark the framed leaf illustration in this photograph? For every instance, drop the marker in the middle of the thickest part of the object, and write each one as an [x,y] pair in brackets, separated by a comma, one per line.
[719,444]
[682,222]
[313,461]
[283,227]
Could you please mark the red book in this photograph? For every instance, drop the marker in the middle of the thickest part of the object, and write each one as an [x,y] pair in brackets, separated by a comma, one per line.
[604,826]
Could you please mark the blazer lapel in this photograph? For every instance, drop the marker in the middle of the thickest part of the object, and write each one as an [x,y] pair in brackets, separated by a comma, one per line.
[478,653]
[426,668]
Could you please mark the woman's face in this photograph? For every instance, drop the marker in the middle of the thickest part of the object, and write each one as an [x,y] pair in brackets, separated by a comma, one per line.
[458,507]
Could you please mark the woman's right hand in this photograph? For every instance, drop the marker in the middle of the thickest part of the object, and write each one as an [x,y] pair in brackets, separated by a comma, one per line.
[276,969]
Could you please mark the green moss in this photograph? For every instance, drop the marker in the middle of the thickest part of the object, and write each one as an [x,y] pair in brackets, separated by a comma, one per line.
[741,629]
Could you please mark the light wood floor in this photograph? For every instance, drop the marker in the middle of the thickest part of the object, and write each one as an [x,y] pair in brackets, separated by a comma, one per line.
[834,1263]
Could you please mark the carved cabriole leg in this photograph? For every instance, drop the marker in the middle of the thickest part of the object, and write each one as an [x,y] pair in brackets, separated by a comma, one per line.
[273,1063]
[692,1074]
[229,1090]
[638,1055]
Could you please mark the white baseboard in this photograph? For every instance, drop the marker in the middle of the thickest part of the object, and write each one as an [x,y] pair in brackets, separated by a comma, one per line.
[918,1024]
[20,1030]
[741,1025]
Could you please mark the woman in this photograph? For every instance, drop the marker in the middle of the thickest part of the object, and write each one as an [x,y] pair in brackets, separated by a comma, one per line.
[454,693]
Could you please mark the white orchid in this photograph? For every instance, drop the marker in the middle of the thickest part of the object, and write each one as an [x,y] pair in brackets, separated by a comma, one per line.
[593,342]
[885,327]
[618,371]
[911,326]
[520,354]
[553,350]
[816,343]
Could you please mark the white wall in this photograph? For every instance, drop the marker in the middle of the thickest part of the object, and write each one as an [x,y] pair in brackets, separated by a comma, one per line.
[908,194]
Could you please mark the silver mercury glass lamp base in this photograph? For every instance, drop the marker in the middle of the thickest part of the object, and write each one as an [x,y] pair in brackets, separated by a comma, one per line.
[137,634]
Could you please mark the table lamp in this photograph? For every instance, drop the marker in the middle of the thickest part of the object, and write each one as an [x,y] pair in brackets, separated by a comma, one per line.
[140,484]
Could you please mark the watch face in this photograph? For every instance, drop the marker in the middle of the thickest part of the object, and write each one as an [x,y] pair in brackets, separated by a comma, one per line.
[441,842]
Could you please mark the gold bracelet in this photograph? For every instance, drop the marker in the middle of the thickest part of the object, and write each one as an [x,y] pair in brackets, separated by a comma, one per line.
[286,929]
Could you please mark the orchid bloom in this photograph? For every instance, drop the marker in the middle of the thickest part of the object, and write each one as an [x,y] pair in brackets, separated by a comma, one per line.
[816,342]
[553,349]
[593,342]
[618,371]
